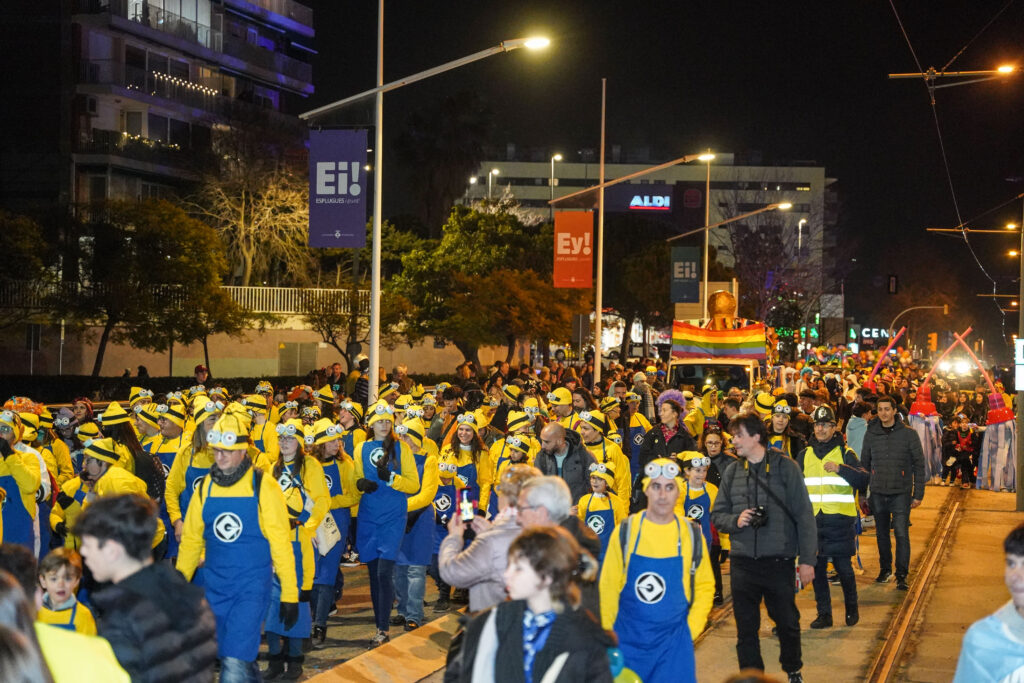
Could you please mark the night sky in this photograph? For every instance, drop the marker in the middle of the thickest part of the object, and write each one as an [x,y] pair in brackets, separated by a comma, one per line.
[794,81]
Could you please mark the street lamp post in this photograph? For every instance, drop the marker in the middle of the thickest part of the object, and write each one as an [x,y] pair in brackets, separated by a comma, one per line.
[800,236]
[535,43]
[469,191]
[551,182]
[707,157]
[779,206]
[490,176]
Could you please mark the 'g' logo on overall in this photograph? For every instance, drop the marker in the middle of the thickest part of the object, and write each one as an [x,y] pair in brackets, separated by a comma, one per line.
[329,481]
[284,481]
[227,527]
[376,456]
[596,523]
[638,439]
[443,503]
[695,511]
[649,588]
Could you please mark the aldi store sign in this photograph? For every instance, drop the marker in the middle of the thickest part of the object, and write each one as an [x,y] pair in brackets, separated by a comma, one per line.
[648,202]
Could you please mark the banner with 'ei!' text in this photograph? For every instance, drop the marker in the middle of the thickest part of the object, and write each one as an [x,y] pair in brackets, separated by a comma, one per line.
[338,188]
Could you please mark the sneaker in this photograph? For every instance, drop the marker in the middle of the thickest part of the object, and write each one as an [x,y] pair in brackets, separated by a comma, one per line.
[333,611]
[352,560]
[441,605]
[823,621]
[397,620]
[901,583]
[965,486]
[884,576]
[852,615]
[411,625]
[319,637]
[379,639]
[796,677]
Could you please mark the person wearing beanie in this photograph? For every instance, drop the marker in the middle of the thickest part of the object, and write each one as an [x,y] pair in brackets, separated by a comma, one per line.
[326,399]
[191,463]
[385,476]
[147,425]
[696,501]
[263,434]
[417,544]
[560,408]
[27,445]
[518,424]
[637,427]
[238,521]
[301,479]
[781,435]
[593,428]
[470,453]
[656,582]
[20,477]
[445,505]
[602,509]
[340,478]
[54,451]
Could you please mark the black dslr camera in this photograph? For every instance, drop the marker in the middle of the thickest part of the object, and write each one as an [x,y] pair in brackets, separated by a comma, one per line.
[759,518]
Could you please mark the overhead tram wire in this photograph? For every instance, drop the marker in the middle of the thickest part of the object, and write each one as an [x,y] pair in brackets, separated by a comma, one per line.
[942,148]
[978,34]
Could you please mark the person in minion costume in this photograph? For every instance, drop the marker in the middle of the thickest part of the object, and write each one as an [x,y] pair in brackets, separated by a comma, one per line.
[638,426]
[389,393]
[350,417]
[239,519]
[310,414]
[780,435]
[445,505]
[191,463]
[147,424]
[117,419]
[20,477]
[55,452]
[560,402]
[301,478]
[417,544]
[172,434]
[29,441]
[696,502]
[611,408]
[340,479]
[139,398]
[433,419]
[653,592]
[326,401]
[469,452]
[401,404]
[263,435]
[67,507]
[601,510]
[385,476]
[593,428]
[84,432]
[518,424]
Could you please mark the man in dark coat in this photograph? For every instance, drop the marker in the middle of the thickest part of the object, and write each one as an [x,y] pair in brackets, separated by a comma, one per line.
[563,454]
[159,625]
[833,475]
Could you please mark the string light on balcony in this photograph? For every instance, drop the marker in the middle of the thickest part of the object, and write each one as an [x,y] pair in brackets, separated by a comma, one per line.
[184,84]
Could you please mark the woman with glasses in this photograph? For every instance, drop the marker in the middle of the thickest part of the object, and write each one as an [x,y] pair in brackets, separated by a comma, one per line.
[340,479]
[385,476]
[301,478]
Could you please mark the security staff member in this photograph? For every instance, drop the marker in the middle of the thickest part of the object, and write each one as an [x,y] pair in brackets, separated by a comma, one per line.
[238,517]
[655,592]
[833,474]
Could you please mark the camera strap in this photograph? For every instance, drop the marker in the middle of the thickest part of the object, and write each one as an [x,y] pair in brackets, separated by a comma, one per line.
[771,494]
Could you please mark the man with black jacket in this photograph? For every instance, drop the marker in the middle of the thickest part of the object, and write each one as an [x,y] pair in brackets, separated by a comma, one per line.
[893,455]
[764,507]
[833,475]
[563,454]
[159,625]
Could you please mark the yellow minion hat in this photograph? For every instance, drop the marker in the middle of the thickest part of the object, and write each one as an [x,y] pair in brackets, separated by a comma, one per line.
[219,393]
[137,394]
[595,419]
[388,391]
[403,402]
[324,430]
[264,387]
[230,432]
[353,407]
[662,467]
[763,403]
[114,415]
[175,414]
[380,411]
[616,438]
[632,397]
[46,419]
[440,387]
[201,409]
[511,391]
[150,414]
[517,420]
[468,420]
[414,429]
[428,400]
[29,426]
[292,427]
[311,411]
[325,394]
[418,392]
[609,403]
[447,466]
[531,404]
[603,470]
[256,403]
[693,458]
[560,397]
[87,431]
[101,449]
[520,444]
[11,419]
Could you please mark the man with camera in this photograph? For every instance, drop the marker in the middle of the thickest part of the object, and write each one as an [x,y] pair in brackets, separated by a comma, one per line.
[764,507]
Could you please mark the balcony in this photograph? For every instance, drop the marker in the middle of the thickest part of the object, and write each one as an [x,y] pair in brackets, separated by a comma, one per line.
[274,300]
[155,18]
[112,142]
[154,84]
[285,8]
[273,61]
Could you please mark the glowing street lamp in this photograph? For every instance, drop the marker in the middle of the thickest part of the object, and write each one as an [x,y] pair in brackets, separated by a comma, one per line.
[490,176]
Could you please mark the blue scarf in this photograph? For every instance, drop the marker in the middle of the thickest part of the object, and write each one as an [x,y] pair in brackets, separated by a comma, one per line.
[536,628]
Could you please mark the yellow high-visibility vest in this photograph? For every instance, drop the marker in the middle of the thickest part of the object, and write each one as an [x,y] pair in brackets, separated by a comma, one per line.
[830,493]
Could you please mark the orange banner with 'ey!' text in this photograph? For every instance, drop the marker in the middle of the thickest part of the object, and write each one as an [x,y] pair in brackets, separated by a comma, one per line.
[574,249]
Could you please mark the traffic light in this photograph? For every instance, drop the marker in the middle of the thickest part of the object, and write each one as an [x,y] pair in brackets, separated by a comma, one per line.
[933,341]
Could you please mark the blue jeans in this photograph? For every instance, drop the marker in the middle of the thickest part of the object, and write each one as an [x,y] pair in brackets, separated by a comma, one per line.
[410,585]
[276,645]
[322,600]
[382,591]
[234,670]
[892,511]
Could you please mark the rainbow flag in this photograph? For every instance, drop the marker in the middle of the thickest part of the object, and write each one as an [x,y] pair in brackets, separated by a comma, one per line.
[690,341]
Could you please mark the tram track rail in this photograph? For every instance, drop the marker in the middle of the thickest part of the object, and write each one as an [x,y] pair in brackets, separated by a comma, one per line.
[886,662]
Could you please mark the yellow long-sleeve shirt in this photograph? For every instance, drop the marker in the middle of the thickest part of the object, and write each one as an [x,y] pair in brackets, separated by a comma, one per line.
[314,487]
[596,503]
[349,493]
[266,434]
[176,477]
[657,541]
[273,518]
[408,481]
[24,467]
[116,481]
[499,449]
[431,479]
[58,461]
[67,509]
[84,622]
[607,450]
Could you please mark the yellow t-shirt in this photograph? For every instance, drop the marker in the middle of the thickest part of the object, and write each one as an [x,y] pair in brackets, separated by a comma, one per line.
[77,658]
[78,615]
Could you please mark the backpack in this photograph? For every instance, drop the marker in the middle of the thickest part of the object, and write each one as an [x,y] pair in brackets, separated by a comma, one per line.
[696,544]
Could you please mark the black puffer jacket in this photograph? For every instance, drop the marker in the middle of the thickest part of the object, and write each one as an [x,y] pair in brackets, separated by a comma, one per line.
[655,446]
[159,625]
[573,634]
[894,458]
[575,467]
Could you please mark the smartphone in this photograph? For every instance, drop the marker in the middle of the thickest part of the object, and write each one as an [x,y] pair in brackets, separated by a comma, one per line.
[467,510]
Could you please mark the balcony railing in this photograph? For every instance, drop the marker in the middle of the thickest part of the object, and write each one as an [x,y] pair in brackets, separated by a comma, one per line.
[287,8]
[142,149]
[156,18]
[274,61]
[274,300]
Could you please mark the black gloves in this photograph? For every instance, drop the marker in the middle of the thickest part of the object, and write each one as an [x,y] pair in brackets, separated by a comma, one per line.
[366,486]
[383,473]
[288,613]
[61,529]
[305,596]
